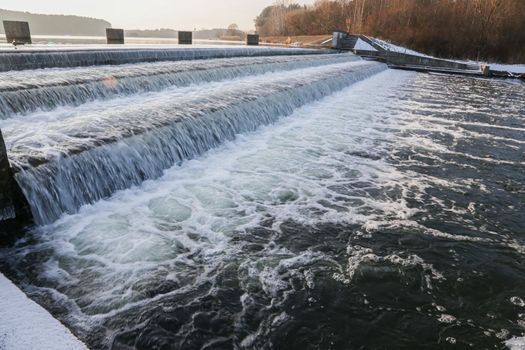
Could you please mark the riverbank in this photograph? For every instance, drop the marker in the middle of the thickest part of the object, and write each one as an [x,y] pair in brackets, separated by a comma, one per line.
[299,41]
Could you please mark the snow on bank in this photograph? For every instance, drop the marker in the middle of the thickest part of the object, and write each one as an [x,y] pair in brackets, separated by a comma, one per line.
[363,45]
[513,68]
[395,48]
[24,325]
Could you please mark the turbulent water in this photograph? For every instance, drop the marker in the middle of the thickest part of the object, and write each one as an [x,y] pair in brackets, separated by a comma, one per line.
[345,207]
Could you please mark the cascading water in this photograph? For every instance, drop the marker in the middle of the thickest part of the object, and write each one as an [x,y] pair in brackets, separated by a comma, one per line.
[28,91]
[34,59]
[381,212]
[76,156]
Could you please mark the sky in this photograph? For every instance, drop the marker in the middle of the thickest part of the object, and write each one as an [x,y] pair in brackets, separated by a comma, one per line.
[153,14]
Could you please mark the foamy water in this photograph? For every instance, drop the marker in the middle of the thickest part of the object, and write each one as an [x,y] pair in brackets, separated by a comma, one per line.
[385,213]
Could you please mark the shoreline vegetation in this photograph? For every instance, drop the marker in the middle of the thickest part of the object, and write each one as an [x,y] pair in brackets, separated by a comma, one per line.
[481,30]
[477,30]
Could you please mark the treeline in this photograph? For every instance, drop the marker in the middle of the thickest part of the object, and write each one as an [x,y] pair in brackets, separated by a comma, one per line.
[467,29]
[57,24]
[206,34]
[151,33]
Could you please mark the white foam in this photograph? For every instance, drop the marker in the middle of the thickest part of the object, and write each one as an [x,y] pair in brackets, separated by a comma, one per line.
[444,318]
[516,343]
[517,301]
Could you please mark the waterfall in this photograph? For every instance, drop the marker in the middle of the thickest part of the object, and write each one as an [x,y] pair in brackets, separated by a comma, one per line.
[87,153]
[28,91]
[34,59]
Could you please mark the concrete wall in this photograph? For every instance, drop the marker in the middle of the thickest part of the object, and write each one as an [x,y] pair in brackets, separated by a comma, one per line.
[115,36]
[7,208]
[252,39]
[185,38]
[13,204]
[401,59]
[17,31]
[337,38]
[343,41]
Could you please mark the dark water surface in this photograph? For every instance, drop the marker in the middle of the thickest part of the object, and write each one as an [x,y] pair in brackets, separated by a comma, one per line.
[389,215]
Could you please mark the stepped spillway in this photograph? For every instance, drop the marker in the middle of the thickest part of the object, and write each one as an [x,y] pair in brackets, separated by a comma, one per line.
[28,91]
[53,58]
[78,135]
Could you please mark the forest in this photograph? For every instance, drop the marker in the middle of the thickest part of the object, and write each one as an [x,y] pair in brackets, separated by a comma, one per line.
[491,30]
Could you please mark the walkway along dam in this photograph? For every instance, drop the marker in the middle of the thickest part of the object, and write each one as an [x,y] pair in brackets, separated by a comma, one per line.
[261,198]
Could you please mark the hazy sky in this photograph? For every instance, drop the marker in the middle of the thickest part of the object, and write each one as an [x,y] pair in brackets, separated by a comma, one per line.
[151,14]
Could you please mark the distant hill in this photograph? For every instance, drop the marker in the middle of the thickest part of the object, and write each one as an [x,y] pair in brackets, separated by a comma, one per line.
[219,33]
[57,24]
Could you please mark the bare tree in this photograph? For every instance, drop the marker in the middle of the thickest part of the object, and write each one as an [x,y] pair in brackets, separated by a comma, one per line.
[482,29]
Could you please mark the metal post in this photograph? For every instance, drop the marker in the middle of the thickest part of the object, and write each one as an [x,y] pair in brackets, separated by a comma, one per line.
[17,32]
[185,38]
[115,36]
[252,39]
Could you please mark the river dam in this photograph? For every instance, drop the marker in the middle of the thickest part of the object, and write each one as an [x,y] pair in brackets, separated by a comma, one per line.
[262,198]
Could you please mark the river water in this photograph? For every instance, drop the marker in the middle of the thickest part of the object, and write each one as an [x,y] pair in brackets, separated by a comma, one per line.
[386,211]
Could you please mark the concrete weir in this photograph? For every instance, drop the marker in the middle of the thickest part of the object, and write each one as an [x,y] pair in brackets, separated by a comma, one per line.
[54,58]
[94,164]
[14,207]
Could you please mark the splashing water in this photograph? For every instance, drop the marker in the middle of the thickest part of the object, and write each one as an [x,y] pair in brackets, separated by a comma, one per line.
[385,209]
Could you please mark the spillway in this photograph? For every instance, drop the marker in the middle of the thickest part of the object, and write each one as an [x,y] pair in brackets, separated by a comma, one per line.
[28,91]
[53,58]
[77,135]
[273,202]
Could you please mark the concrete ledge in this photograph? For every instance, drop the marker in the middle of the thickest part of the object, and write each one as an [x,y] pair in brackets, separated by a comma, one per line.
[25,325]
[343,40]
[50,58]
